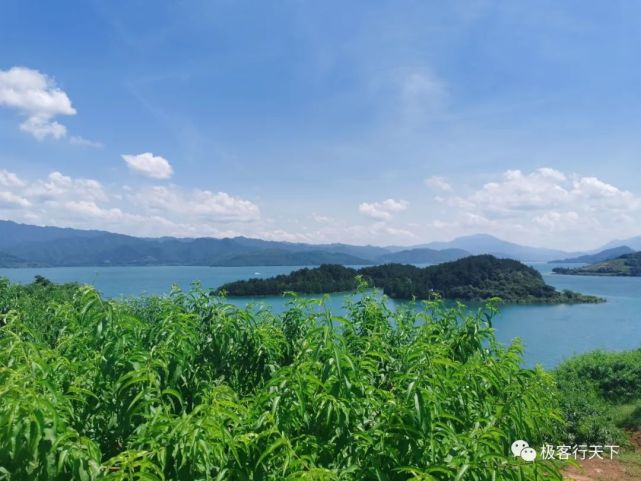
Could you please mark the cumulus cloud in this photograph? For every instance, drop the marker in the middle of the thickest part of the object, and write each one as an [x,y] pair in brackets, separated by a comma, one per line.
[200,205]
[544,206]
[382,210]
[35,96]
[438,183]
[9,179]
[342,231]
[11,200]
[62,200]
[149,165]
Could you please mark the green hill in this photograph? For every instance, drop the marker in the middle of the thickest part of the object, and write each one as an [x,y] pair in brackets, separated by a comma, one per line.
[628,265]
[280,257]
[472,278]
[8,260]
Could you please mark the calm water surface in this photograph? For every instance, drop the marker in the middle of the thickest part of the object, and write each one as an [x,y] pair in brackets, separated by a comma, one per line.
[549,333]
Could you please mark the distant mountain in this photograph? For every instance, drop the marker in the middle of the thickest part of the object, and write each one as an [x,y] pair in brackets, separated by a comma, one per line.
[12,233]
[598,257]
[633,242]
[628,265]
[7,260]
[423,256]
[280,257]
[487,244]
[53,246]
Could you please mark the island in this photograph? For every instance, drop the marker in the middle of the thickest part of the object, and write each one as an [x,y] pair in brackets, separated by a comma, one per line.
[474,278]
[628,265]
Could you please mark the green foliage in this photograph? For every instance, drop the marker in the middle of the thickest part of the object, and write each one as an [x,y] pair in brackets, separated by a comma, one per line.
[615,375]
[187,387]
[475,278]
[326,278]
[601,393]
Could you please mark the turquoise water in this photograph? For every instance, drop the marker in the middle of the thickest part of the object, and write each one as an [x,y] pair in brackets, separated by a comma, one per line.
[549,333]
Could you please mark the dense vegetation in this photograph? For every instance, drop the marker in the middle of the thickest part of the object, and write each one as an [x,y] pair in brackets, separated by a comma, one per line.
[187,387]
[625,265]
[472,278]
[8,260]
[601,394]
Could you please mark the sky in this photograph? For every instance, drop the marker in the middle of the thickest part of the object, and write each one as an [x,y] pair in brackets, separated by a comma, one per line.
[366,122]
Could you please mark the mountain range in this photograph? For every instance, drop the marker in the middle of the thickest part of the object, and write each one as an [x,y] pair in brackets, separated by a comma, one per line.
[601,256]
[24,245]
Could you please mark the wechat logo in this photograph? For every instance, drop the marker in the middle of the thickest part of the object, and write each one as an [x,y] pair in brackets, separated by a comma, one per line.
[521,449]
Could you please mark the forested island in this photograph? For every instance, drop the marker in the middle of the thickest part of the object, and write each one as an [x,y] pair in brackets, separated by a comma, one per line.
[473,278]
[628,265]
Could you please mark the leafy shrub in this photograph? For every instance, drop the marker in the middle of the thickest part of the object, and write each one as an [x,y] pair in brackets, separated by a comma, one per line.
[615,375]
[187,387]
[594,387]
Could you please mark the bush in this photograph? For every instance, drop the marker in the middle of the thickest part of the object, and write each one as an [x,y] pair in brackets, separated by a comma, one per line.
[187,387]
[596,391]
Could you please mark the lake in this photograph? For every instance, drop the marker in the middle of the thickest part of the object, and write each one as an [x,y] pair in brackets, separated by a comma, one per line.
[549,333]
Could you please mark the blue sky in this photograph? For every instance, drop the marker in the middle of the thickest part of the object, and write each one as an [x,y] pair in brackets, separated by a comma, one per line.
[376,122]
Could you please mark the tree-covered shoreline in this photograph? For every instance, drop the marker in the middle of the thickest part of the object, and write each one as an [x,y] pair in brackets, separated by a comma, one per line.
[628,265]
[474,278]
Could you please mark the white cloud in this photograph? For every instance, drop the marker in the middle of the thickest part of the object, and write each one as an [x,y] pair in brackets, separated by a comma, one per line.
[11,200]
[545,207]
[438,183]
[86,203]
[82,142]
[342,231]
[382,210]
[58,187]
[199,205]
[35,96]
[9,179]
[149,165]
[322,219]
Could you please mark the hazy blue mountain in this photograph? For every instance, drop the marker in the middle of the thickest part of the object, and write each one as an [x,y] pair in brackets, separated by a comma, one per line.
[423,256]
[633,242]
[12,233]
[53,246]
[281,257]
[487,244]
[8,260]
[605,255]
